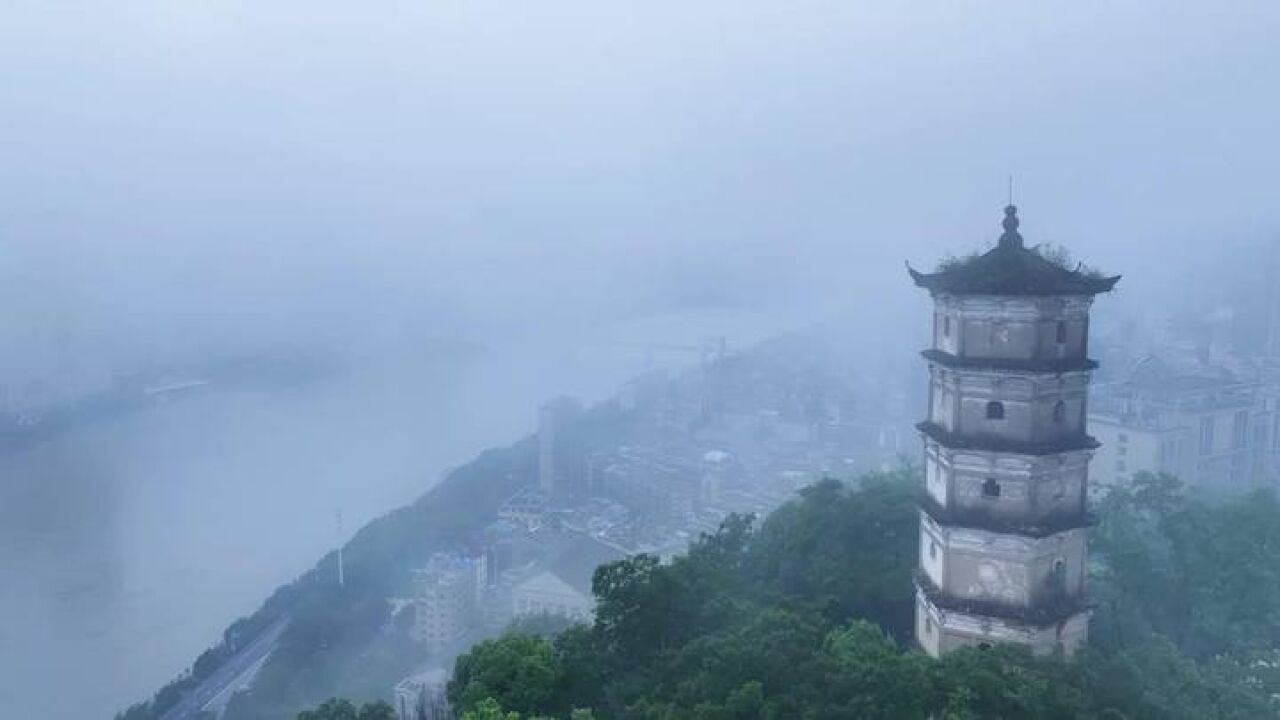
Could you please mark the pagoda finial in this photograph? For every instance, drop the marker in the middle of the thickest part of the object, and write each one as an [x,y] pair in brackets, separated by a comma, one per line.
[1010,238]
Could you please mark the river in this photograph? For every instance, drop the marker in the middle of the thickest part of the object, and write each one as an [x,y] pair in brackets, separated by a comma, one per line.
[127,544]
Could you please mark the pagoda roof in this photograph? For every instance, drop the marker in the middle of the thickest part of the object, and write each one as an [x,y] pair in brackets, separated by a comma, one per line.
[1012,269]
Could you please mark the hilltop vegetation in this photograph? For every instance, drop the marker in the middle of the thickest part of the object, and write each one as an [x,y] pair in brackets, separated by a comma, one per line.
[806,616]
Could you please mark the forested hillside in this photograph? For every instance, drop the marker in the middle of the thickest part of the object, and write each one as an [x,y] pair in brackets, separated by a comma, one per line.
[808,615]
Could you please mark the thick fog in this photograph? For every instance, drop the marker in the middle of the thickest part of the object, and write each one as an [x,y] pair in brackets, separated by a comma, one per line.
[532,182]
[236,172]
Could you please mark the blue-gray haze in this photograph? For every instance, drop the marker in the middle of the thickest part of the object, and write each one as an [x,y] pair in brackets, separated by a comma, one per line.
[183,179]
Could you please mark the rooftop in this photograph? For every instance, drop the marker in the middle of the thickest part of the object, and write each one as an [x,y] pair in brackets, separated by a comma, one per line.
[573,560]
[1012,269]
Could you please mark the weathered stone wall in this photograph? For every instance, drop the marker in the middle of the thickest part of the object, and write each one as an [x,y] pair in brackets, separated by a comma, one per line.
[941,631]
[1011,328]
[1026,488]
[1002,541]
[960,403]
[1019,571]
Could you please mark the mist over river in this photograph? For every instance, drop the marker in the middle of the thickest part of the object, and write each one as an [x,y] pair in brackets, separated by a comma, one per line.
[128,543]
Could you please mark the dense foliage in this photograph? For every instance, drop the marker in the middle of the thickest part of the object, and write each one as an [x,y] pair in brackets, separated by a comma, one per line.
[1203,574]
[489,709]
[807,615]
[336,709]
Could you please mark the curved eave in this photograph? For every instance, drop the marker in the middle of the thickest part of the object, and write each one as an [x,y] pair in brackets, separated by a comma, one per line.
[1053,366]
[951,282]
[991,443]
[1040,616]
[989,523]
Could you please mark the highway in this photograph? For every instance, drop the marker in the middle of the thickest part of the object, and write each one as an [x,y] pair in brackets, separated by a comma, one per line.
[235,674]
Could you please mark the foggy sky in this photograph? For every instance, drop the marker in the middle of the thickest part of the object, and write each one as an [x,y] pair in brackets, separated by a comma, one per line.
[223,172]
[186,177]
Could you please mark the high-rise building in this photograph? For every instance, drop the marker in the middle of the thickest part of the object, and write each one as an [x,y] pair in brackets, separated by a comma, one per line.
[446,594]
[1273,302]
[547,421]
[558,475]
[1004,518]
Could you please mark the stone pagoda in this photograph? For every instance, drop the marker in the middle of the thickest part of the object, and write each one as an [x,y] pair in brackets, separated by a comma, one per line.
[1004,515]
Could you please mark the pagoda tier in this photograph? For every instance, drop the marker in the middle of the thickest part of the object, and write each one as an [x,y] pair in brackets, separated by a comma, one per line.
[942,628]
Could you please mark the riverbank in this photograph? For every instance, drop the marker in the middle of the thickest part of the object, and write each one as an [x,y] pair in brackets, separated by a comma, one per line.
[131,538]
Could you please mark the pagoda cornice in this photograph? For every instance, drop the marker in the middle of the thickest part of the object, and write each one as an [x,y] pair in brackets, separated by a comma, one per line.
[995,443]
[1053,366]
[1041,615]
[977,520]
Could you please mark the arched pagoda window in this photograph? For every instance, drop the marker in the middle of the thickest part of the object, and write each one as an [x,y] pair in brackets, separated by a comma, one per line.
[991,488]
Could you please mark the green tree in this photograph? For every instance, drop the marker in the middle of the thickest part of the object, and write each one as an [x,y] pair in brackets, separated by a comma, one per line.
[583,676]
[522,673]
[490,709]
[784,621]
[338,709]
[847,551]
[1201,573]
[870,678]
[633,599]
[1005,682]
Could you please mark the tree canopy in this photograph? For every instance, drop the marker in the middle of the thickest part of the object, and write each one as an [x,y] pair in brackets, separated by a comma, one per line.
[808,615]
[337,709]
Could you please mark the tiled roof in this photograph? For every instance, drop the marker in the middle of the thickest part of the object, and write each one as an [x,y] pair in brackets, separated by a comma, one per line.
[1012,269]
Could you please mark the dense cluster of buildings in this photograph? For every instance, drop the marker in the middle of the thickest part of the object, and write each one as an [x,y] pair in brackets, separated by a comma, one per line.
[738,434]
[741,435]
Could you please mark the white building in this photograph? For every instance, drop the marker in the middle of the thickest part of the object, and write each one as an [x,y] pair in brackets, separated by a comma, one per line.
[562,586]
[1212,430]
[445,600]
[421,696]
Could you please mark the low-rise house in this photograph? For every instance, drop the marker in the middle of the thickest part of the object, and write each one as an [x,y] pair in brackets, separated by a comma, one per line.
[562,586]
